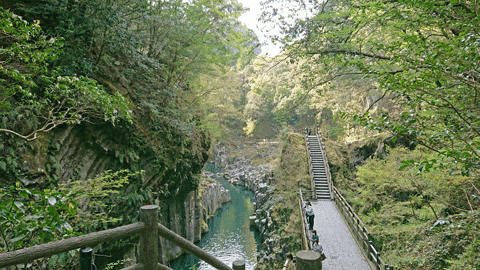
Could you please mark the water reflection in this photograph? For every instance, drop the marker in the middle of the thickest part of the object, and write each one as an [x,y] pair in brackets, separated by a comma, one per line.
[229,237]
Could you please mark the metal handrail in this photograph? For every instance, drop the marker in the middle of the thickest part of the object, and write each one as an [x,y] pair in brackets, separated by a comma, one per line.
[149,230]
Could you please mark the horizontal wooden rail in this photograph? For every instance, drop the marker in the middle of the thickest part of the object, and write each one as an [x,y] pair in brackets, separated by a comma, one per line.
[149,230]
[190,247]
[49,249]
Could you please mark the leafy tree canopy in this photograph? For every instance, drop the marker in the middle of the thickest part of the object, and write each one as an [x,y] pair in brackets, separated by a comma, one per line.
[422,55]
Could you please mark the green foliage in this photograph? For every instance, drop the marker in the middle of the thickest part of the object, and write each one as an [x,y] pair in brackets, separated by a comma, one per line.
[30,217]
[99,199]
[400,207]
[275,96]
[112,265]
[421,57]
[30,90]
[167,130]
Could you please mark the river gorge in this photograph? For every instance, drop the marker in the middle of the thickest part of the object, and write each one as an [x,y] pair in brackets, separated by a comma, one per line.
[229,236]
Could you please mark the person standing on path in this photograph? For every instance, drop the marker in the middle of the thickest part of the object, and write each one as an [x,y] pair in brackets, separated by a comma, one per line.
[310,215]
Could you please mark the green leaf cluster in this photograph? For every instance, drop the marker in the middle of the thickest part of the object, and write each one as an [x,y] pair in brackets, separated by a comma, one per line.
[29,217]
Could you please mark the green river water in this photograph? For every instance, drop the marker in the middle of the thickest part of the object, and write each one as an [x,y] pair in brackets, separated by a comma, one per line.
[230,237]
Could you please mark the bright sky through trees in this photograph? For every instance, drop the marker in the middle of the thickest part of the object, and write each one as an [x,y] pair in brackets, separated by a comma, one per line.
[250,18]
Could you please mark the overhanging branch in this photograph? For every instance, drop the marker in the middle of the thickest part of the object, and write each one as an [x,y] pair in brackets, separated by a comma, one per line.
[375,56]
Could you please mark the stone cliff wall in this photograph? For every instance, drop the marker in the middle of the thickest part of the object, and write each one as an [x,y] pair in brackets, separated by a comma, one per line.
[83,152]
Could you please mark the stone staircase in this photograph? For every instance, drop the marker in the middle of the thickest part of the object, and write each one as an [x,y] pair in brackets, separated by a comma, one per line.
[318,168]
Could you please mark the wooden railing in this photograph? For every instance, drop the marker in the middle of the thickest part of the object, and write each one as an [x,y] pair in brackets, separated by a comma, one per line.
[306,245]
[310,166]
[306,133]
[361,233]
[325,160]
[149,230]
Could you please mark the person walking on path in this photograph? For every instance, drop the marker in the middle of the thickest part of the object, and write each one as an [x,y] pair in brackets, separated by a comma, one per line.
[317,247]
[310,215]
[315,236]
[289,262]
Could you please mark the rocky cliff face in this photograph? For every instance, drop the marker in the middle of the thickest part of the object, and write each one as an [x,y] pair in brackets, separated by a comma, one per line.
[212,196]
[187,217]
[84,152]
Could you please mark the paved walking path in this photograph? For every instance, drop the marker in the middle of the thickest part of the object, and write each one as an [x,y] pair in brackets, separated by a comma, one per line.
[338,243]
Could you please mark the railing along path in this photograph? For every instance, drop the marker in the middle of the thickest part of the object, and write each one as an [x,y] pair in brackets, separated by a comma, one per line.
[149,230]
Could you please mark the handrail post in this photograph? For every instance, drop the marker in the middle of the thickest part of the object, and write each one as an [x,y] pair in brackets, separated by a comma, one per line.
[149,237]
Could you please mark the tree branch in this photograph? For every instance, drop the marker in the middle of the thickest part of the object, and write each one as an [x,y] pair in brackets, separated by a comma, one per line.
[352,53]
[377,100]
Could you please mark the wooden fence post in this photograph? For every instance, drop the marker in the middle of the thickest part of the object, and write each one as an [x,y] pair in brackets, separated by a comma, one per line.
[149,237]
[86,258]
[238,265]
[308,259]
